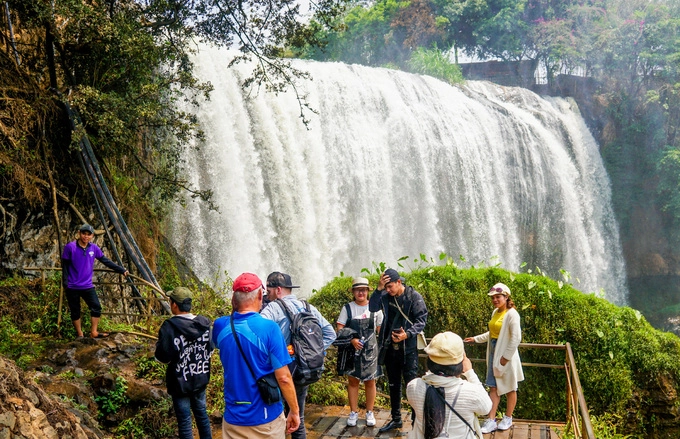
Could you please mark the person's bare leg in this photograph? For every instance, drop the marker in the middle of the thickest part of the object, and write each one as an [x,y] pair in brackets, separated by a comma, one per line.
[78,328]
[353,393]
[495,400]
[369,386]
[95,324]
[512,402]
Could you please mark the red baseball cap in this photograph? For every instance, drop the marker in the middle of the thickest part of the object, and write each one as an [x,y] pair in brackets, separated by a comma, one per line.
[246,283]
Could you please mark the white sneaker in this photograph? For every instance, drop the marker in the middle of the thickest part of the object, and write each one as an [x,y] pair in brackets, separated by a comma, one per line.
[370,419]
[353,418]
[505,423]
[489,426]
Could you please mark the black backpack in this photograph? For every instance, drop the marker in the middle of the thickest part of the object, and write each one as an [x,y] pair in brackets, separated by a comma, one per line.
[306,337]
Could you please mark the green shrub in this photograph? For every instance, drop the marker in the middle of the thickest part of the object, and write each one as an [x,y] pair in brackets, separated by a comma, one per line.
[114,399]
[152,422]
[33,306]
[149,368]
[435,63]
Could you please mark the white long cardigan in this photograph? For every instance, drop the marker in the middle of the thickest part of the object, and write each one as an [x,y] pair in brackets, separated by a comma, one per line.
[509,338]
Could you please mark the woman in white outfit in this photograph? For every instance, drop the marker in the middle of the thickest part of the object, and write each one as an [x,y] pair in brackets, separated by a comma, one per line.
[504,368]
[447,364]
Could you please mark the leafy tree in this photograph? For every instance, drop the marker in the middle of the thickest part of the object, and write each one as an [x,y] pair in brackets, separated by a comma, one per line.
[416,26]
[124,65]
[366,36]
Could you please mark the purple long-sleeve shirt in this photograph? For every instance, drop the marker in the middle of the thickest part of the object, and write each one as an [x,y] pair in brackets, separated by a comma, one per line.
[78,265]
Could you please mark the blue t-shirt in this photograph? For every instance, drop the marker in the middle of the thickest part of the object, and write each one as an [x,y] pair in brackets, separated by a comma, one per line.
[265,350]
[79,276]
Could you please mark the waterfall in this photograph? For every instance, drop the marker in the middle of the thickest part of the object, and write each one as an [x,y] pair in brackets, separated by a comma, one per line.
[394,164]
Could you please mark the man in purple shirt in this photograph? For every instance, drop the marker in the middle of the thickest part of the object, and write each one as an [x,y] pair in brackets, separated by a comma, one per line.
[77,265]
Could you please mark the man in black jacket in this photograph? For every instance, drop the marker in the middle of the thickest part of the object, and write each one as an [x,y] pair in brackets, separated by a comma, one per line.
[405,315]
[185,344]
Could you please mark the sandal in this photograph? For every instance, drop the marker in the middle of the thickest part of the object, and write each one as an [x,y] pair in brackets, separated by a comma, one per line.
[101,335]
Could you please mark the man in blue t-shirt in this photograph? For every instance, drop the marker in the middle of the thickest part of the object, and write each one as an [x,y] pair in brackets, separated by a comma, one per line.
[77,268]
[245,413]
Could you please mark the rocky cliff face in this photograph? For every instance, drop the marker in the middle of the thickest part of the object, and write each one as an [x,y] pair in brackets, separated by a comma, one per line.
[652,267]
[74,392]
[652,260]
[28,412]
[57,397]
[30,240]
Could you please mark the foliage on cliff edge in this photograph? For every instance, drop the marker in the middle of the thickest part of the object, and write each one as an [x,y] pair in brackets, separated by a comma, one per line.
[628,369]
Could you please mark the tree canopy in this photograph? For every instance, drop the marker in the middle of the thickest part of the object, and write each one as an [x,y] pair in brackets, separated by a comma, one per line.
[123,66]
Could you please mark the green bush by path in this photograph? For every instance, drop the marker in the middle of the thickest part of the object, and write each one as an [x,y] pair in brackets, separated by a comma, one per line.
[435,63]
[625,365]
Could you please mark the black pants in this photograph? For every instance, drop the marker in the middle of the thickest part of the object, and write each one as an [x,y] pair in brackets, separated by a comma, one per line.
[397,365]
[90,298]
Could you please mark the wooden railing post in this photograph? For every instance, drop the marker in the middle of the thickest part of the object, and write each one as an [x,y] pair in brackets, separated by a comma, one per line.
[579,406]
[148,315]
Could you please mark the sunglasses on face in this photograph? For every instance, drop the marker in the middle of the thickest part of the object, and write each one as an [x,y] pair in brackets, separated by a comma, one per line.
[497,290]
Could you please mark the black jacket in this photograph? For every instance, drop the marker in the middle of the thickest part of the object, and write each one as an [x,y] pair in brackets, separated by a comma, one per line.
[414,308]
[186,346]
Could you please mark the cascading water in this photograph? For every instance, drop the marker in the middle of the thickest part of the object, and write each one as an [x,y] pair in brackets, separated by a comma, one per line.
[394,164]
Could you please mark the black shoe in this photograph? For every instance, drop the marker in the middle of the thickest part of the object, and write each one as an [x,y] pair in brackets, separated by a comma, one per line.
[390,426]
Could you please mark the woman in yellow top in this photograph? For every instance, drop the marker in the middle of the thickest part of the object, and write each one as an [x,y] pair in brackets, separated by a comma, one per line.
[504,368]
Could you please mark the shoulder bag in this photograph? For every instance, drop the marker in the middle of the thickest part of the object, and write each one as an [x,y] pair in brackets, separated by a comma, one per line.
[267,384]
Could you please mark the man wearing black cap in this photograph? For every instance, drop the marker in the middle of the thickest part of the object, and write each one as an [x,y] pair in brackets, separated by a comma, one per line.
[280,286]
[405,315]
[185,345]
[77,268]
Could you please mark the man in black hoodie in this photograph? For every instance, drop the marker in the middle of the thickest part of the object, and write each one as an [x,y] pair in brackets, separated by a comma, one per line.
[185,344]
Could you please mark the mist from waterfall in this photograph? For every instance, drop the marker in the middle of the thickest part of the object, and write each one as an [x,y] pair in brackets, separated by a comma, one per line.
[394,164]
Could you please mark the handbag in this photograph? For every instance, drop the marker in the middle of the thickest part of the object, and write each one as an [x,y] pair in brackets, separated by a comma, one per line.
[421,341]
[267,385]
[269,389]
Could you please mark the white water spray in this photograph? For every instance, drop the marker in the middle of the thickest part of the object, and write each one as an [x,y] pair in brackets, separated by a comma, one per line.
[395,164]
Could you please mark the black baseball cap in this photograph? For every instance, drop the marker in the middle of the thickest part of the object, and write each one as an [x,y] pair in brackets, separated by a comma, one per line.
[86,228]
[394,275]
[278,279]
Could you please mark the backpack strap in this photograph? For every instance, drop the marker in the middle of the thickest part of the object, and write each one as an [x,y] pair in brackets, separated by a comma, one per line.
[285,309]
[349,313]
[474,432]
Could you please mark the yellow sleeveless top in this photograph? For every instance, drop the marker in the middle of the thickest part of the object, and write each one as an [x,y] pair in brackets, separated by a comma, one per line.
[495,324]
